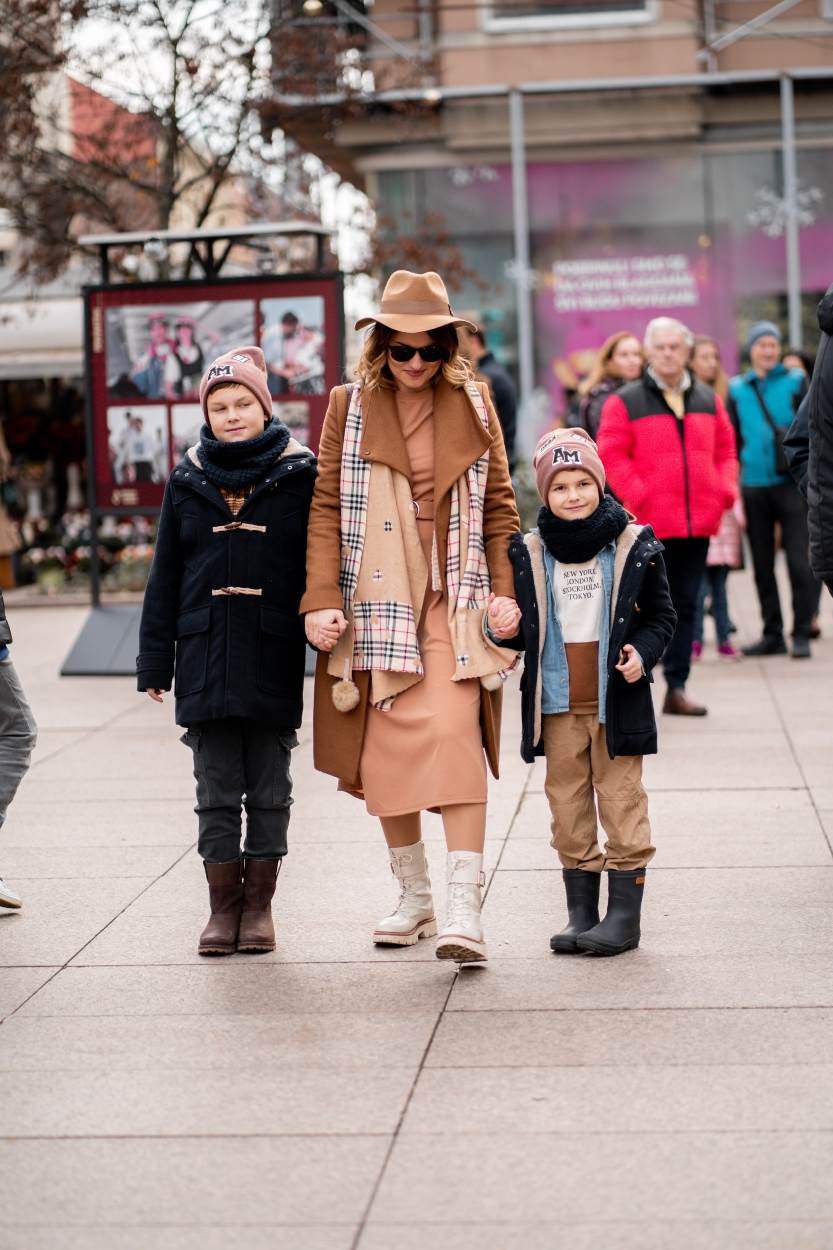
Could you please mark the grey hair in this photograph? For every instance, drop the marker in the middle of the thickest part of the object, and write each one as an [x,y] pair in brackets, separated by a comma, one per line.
[661,324]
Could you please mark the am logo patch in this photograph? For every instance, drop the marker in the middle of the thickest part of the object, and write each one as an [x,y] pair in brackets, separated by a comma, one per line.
[562,455]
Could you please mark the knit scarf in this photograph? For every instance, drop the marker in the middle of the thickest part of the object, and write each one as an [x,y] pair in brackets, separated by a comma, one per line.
[575,542]
[235,465]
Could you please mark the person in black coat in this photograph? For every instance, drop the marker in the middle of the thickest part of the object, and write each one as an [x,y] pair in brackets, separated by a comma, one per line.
[504,394]
[596,616]
[220,621]
[18,737]
[809,449]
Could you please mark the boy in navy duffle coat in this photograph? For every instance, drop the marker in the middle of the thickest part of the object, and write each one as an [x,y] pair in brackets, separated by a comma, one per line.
[220,620]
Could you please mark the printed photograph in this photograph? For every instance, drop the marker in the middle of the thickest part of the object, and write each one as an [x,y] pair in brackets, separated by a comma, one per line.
[186,422]
[295,415]
[293,344]
[161,353]
[137,442]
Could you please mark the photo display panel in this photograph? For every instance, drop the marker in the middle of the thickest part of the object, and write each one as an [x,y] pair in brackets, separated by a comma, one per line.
[147,348]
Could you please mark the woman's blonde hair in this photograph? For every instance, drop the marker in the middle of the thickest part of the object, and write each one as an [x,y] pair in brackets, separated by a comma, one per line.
[720,385]
[601,370]
[372,369]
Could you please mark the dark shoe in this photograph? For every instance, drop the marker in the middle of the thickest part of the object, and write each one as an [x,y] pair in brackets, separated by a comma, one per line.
[619,931]
[800,649]
[257,931]
[582,908]
[677,703]
[770,644]
[225,890]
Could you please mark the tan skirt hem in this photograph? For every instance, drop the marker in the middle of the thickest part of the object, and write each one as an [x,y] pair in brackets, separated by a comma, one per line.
[433,806]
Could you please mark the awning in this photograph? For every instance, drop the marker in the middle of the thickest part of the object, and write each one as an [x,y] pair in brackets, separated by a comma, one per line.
[42,338]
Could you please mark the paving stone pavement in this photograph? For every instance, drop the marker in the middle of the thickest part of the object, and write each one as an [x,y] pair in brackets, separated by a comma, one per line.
[333,1096]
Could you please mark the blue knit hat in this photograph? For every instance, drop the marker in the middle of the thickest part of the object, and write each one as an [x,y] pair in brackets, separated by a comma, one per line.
[760,329]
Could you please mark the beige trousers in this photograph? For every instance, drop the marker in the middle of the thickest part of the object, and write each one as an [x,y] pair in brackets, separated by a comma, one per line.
[579,772]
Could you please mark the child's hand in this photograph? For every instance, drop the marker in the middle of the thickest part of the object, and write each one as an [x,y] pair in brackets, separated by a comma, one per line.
[630,663]
[156,695]
[324,628]
[504,616]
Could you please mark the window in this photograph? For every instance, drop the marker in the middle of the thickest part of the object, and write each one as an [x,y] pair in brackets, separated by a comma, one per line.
[506,15]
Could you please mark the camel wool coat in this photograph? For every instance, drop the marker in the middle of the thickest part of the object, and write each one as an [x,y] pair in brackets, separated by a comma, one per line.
[459,440]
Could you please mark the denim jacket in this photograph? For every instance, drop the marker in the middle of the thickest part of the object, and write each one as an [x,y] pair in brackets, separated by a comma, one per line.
[555,671]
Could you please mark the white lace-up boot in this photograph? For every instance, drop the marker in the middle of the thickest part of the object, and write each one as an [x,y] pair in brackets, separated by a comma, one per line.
[414,916]
[462,937]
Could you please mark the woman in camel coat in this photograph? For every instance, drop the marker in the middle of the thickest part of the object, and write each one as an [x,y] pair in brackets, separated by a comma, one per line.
[409,589]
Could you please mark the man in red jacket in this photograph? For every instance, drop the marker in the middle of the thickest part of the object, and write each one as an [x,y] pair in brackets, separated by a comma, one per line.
[668,448]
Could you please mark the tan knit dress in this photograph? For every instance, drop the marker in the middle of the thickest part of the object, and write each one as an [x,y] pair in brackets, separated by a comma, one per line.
[427,750]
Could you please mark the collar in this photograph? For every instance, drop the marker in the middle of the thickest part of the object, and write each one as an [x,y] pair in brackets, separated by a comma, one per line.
[776,371]
[684,385]
[459,437]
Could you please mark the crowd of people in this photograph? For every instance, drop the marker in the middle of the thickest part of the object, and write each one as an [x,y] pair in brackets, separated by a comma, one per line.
[397,554]
[701,457]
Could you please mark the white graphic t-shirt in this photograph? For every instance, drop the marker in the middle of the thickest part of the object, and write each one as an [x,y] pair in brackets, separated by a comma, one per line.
[578,603]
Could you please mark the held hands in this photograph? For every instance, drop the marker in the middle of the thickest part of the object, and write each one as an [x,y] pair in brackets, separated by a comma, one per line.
[324,628]
[504,616]
[630,663]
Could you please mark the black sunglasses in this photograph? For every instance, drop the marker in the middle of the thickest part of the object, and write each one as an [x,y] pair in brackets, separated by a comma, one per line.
[430,354]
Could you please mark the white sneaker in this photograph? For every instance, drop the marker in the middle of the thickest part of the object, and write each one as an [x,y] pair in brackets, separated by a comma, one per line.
[414,915]
[462,938]
[10,897]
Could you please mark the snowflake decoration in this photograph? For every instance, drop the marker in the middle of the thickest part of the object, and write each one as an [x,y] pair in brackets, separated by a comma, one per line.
[770,215]
[530,277]
[467,175]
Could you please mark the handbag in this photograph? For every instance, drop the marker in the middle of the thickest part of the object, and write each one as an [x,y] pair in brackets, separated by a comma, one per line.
[779,433]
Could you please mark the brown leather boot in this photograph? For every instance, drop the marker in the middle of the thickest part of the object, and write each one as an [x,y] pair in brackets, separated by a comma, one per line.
[225,890]
[677,703]
[257,932]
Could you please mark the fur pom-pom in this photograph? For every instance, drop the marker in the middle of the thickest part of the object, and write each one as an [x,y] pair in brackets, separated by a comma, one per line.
[492,681]
[345,696]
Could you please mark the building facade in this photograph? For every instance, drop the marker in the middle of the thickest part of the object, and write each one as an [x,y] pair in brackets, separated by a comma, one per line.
[597,162]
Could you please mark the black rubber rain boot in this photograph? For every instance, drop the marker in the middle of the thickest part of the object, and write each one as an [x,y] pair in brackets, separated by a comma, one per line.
[582,908]
[619,931]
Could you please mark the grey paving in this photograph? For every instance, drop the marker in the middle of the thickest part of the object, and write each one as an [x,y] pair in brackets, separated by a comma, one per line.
[333,1096]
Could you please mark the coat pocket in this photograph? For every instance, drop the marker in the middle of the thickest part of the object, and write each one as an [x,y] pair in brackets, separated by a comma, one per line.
[191,651]
[633,708]
[280,651]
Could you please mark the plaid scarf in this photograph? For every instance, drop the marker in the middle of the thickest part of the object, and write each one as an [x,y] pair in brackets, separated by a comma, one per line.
[383,578]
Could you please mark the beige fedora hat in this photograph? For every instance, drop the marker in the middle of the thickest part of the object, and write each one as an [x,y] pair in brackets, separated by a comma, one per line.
[412,302]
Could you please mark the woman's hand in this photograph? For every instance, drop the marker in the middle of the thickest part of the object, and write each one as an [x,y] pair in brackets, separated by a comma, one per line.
[504,616]
[156,695]
[324,628]
[630,663]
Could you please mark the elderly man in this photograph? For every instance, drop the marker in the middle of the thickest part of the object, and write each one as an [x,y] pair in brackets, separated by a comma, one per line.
[669,451]
[763,402]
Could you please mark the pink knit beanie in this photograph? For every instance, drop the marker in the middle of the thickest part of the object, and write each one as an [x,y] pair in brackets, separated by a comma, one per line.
[245,366]
[566,449]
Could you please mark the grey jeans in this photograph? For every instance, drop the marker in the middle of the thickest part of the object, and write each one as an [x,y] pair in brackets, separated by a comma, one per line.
[18,735]
[240,763]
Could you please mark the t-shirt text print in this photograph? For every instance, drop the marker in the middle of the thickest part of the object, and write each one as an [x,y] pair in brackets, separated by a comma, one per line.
[578,600]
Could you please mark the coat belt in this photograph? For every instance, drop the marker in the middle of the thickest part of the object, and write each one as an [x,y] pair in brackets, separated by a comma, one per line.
[238,525]
[236,590]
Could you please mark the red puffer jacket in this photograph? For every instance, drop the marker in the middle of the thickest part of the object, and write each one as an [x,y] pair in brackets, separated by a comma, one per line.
[676,475]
